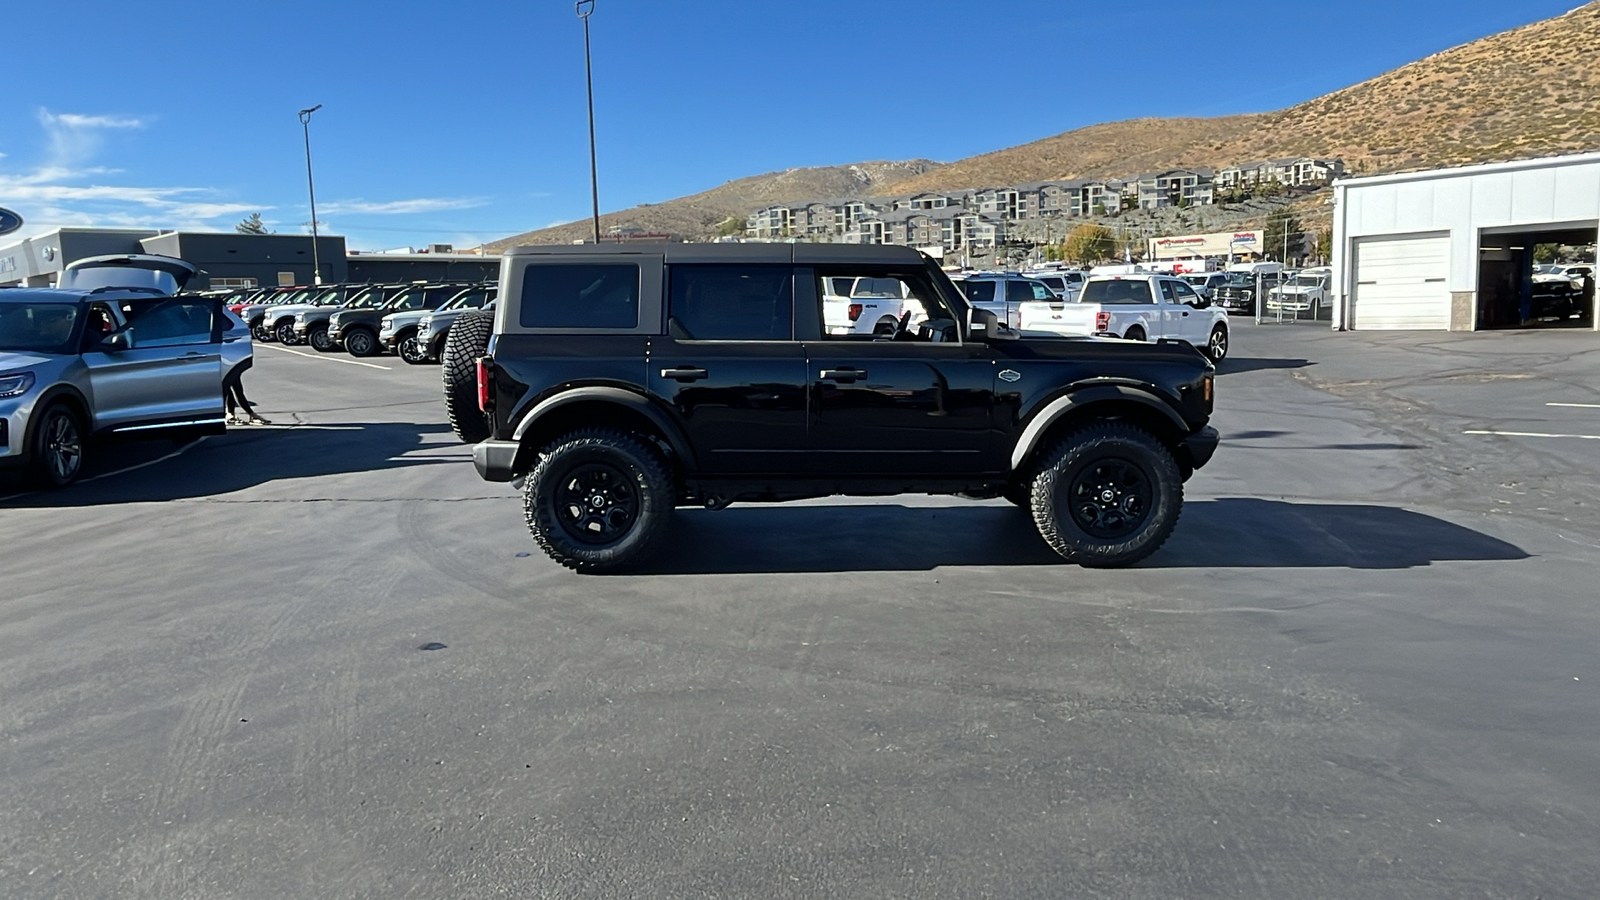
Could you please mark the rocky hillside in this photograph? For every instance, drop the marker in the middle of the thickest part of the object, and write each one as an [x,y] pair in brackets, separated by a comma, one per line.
[1530,91]
[700,214]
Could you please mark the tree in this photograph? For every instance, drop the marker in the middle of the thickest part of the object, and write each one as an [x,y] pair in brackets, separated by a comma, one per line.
[1546,253]
[1089,244]
[1283,230]
[1325,245]
[252,224]
[730,226]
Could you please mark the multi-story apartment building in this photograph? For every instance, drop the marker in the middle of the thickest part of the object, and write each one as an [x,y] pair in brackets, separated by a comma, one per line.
[1174,187]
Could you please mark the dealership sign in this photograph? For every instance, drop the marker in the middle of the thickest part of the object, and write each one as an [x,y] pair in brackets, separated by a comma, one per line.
[1199,246]
[9,221]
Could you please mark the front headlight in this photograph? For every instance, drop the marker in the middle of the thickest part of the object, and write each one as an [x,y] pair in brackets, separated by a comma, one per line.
[15,385]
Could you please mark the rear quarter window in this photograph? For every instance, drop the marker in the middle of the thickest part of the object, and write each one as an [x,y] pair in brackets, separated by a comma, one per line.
[580,295]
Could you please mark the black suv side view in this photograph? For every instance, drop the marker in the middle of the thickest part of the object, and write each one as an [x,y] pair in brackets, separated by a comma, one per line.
[615,384]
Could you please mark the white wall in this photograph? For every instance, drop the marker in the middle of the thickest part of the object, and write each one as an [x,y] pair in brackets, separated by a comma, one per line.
[1555,192]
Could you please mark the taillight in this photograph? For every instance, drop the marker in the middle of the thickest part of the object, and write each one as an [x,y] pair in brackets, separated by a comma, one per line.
[855,311]
[1102,321]
[483,385]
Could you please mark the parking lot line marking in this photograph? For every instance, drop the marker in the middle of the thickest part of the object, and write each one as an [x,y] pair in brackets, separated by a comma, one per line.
[1577,405]
[178,452]
[326,358]
[1537,434]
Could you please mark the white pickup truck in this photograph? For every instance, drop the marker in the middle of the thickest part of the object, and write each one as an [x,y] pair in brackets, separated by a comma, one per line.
[1136,307]
[867,305]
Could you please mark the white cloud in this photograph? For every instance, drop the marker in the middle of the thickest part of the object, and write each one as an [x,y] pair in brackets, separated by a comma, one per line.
[75,138]
[73,120]
[401,207]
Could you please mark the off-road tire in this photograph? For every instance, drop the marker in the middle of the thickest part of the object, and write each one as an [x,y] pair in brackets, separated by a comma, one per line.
[467,340]
[637,472]
[1074,462]
[317,337]
[362,342]
[58,429]
[1134,334]
[1217,346]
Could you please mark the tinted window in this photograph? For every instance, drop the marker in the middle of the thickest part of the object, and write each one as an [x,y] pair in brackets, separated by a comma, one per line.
[44,327]
[408,300]
[1115,292]
[733,303]
[172,325]
[580,296]
[877,287]
[979,291]
[1019,291]
[1186,294]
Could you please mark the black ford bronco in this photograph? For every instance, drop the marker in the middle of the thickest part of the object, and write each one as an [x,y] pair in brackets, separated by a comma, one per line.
[616,383]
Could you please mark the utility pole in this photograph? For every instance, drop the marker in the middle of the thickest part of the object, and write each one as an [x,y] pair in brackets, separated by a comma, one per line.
[584,9]
[311,186]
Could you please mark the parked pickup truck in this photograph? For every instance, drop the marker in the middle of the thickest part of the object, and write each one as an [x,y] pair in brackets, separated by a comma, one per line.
[1004,293]
[1138,307]
[1308,293]
[866,306]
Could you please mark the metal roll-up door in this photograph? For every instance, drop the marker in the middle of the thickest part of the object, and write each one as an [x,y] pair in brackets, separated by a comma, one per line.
[1401,284]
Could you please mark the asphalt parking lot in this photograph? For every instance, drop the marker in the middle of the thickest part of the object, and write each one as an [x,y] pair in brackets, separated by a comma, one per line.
[1363,667]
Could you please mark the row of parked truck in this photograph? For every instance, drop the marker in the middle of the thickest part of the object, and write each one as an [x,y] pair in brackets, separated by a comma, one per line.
[409,320]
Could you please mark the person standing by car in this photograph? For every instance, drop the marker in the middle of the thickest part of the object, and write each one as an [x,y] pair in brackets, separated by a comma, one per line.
[238,353]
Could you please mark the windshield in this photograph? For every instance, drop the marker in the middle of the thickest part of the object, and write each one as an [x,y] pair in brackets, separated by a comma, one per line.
[410,298]
[1116,292]
[468,299]
[367,298]
[1306,281]
[1197,280]
[40,327]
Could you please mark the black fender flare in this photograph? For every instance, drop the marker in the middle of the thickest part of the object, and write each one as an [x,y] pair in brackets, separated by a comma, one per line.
[1078,398]
[614,395]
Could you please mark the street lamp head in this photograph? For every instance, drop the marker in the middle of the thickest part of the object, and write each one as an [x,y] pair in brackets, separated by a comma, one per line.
[305,114]
[584,8]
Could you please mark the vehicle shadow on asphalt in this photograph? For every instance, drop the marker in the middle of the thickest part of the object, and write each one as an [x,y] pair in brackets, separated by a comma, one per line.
[1227,533]
[1233,365]
[240,459]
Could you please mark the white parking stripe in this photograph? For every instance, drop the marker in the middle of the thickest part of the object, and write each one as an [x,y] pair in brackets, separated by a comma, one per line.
[1537,434]
[327,358]
[1577,405]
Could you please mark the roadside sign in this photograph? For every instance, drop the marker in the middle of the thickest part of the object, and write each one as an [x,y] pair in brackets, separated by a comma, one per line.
[9,221]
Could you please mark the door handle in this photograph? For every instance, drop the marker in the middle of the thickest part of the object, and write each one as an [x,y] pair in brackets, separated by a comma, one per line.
[685,373]
[193,355]
[846,375]
[1186,315]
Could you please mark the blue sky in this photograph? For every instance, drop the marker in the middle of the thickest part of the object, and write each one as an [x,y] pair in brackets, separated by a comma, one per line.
[465,122]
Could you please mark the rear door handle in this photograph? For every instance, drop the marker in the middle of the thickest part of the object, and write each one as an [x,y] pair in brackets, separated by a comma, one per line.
[846,375]
[685,373]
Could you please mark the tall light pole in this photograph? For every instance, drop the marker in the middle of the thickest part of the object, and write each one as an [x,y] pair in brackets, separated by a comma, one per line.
[584,9]
[316,259]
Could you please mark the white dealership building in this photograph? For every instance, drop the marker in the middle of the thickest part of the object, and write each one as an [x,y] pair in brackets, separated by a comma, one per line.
[1452,249]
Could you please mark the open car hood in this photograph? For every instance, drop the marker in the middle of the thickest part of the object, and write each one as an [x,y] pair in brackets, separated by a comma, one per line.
[167,274]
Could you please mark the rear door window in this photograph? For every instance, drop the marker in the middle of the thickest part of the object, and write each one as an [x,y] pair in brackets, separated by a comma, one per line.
[980,291]
[580,295]
[732,303]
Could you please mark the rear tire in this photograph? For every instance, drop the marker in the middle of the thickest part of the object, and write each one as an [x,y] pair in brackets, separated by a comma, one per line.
[58,445]
[1107,496]
[1134,334]
[467,340]
[599,500]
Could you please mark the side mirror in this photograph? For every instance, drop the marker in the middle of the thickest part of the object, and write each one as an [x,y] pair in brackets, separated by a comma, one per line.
[985,325]
[116,343]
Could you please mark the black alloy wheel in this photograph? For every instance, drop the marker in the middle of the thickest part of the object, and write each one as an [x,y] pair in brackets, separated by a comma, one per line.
[410,350]
[1217,346]
[599,500]
[1108,495]
[285,333]
[58,447]
[1111,498]
[317,337]
[361,342]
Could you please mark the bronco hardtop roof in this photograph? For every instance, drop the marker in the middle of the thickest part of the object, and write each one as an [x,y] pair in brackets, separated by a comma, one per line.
[799,254]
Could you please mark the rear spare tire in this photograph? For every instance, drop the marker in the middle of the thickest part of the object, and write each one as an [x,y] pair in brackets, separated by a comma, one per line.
[467,340]
[1108,495]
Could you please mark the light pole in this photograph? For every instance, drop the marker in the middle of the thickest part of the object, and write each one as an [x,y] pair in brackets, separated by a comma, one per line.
[584,9]
[316,259]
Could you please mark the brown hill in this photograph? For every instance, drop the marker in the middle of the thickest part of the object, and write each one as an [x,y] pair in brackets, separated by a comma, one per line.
[1531,91]
[699,215]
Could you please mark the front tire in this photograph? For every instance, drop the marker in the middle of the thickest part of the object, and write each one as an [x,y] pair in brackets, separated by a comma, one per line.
[599,500]
[411,351]
[1107,496]
[285,333]
[1217,344]
[58,447]
[317,337]
[361,342]
[261,332]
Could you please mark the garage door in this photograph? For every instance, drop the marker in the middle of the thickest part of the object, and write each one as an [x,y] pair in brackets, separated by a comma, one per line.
[1400,284]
